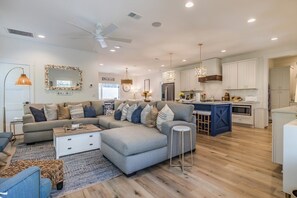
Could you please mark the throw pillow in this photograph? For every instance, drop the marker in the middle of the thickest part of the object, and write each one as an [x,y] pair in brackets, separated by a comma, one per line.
[124,112]
[131,109]
[136,115]
[51,111]
[164,115]
[63,112]
[120,107]
[76,111]
[38,114]
[144,113]
[117,114]
[151,118]
[89,112]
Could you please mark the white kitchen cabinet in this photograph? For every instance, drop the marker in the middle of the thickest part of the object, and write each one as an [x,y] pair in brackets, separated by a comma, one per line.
[279,98]
[230,76]
[280,117]
[240,74]
[189,80]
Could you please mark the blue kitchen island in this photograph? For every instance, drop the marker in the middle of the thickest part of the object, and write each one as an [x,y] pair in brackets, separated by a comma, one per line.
[221,115]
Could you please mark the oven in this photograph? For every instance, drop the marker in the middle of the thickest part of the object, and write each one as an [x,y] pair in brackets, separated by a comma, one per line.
[244,110]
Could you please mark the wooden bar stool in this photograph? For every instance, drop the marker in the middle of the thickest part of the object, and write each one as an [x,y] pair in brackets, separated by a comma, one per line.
[181,130]
[204,121]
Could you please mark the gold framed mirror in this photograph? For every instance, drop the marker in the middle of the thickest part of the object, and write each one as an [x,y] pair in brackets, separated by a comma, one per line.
[58,77]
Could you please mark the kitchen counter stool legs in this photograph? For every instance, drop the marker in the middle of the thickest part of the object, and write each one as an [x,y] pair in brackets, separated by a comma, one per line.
[181,130]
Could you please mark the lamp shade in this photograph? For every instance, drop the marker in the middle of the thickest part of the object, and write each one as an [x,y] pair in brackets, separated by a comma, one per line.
[23,80]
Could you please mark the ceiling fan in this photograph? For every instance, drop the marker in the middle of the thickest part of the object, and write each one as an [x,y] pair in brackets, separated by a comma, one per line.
[101,33]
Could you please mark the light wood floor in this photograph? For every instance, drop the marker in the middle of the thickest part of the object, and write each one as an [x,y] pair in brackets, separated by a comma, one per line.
[232,165]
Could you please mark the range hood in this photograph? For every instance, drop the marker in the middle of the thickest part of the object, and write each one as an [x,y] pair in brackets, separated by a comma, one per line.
[213,69]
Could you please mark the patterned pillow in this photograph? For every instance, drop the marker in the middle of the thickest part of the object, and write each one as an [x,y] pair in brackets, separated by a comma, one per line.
[144,113]
[164,115]
[151,118]
[38,114]
[63,113]
[131,109]
[76,111]
[51,111]
[124,112]
[136,115]
[120,107]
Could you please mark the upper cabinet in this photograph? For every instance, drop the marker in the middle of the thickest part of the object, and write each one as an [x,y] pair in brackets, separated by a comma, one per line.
[240,74]
[189,81]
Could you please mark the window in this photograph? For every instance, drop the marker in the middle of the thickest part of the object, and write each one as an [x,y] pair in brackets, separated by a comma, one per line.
[108,91]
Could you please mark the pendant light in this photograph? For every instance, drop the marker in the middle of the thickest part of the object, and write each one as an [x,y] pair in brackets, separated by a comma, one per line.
[200,70]
[126,83]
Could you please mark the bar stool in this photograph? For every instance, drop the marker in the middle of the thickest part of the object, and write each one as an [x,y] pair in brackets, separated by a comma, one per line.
[204,121]
[181,130]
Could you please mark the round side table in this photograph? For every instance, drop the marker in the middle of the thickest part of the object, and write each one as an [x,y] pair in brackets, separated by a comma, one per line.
[181,130]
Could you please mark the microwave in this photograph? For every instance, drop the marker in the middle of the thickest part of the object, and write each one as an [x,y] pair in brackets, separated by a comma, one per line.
[245,110]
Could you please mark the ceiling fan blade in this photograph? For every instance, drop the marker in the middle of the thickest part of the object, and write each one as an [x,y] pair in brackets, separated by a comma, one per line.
[79,27]
[109,29]
[102,43]
[119,39]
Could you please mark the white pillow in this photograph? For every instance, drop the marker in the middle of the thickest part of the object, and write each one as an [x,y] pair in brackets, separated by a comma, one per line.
[164,115]
[51,111]
[147,109]
[131,109]
[124,112]
[120,107]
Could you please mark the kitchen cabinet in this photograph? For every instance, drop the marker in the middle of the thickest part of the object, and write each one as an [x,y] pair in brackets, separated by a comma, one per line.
[280,117]
[240,74]
[189,80]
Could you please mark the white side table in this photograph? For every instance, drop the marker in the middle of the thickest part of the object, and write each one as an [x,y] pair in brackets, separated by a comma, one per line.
[181,130]
[12,125]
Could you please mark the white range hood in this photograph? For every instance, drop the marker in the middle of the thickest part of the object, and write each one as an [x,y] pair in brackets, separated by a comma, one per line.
[213,70]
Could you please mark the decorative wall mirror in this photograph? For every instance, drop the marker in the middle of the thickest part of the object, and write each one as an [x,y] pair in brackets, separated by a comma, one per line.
[62,77]
[147,85]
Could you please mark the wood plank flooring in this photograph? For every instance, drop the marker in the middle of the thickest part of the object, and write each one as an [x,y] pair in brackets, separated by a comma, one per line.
[236,164]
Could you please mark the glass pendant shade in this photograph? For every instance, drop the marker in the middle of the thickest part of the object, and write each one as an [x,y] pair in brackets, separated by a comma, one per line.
[201,70]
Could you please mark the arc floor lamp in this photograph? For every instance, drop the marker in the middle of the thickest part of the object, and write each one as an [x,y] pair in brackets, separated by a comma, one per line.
[22,80]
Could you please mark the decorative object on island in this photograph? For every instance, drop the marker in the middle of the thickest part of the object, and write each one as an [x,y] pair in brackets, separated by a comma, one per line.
[22,80]
[146,94]
[200,70]
[181,95]
[58,77]
[126,83]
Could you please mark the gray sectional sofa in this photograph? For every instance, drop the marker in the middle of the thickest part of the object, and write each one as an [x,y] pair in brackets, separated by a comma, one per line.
[131,147]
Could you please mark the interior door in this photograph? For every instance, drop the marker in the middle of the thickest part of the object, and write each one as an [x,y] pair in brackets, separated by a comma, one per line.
[15,95]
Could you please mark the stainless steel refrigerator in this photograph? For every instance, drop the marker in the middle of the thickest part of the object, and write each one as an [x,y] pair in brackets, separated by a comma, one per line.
[168,93]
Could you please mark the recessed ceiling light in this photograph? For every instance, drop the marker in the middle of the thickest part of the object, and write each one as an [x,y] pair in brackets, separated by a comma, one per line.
[112,50]
[156,24]
[41,36]
[274,38]
[251,20]
[189,4]
[223,51]
[162,65]
[149,70]
[101,64]
[184,60]
[117,47]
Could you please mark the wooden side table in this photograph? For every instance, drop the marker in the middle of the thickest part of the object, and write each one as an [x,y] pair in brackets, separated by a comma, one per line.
[12,125]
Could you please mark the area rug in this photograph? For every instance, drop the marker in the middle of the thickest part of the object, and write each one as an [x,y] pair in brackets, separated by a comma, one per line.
[80,170]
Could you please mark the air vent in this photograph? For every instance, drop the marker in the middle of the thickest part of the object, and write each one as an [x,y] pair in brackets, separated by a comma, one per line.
[134,16]
[19,32]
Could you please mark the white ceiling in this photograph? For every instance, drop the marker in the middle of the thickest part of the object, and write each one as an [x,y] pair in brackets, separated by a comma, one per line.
[218,24]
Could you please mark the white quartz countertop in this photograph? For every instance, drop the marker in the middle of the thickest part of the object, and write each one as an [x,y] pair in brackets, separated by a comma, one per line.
[290,109]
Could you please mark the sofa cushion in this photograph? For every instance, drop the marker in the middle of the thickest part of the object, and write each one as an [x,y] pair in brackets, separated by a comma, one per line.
[51,111]
[89,112]
[84,103]
[143,104]
[120,107]
[134,139]
[3,143]
[164,115]
[124,112]
[135,118]
[98,106]
[63,113]
[151,118]
[45,126]
[45,187]
[94,121]
[76,111]
[105,120]
[3,180]
[181,111]
[131,109]
[6,135]
[38,114]
[119,124]
[117,103]
[36,106]
[118,114]
[144,113]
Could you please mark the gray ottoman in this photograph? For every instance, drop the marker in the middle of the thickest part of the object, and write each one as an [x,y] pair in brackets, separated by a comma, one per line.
[134,148]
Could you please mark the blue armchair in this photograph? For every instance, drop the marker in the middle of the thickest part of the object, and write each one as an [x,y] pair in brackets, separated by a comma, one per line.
[25,184]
